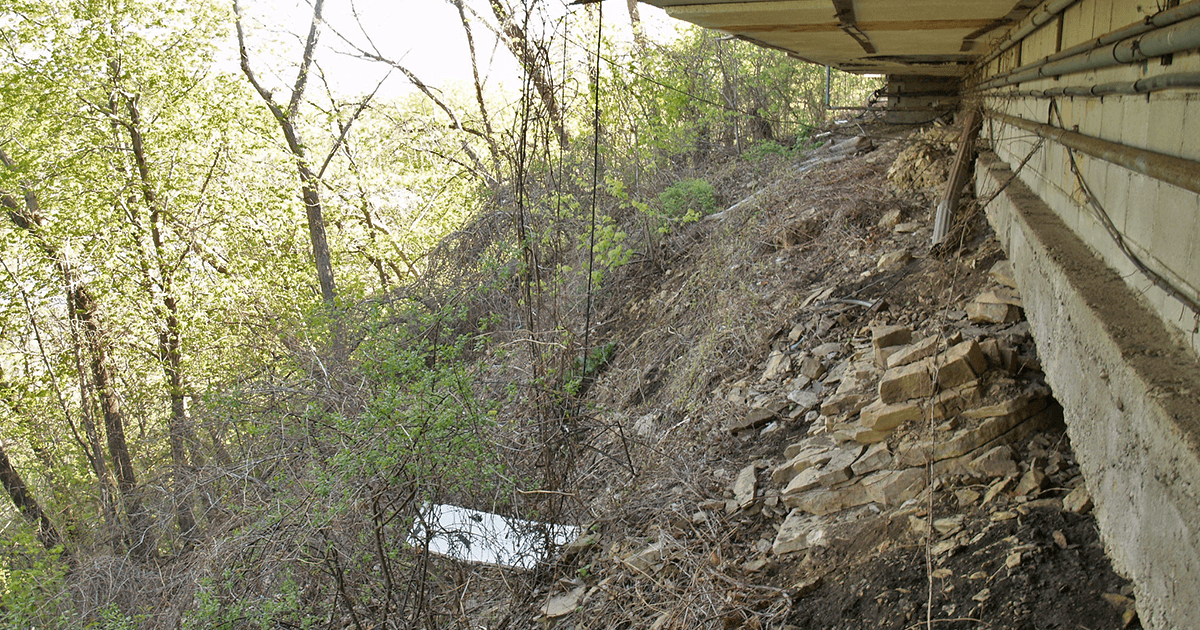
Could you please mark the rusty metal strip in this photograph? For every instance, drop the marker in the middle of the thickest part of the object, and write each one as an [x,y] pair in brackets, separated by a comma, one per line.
[849,24]
[829,27]
[1171,169]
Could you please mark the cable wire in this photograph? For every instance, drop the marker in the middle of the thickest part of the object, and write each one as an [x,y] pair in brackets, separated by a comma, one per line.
[1101,215]
[587,326]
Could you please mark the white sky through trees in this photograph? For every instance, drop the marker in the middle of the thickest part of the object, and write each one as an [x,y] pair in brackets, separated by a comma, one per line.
[425,36]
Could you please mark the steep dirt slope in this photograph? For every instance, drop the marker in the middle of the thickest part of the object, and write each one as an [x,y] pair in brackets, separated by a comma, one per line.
[754,460]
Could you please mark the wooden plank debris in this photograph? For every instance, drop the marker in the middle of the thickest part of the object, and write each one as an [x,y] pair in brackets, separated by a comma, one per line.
[958,177]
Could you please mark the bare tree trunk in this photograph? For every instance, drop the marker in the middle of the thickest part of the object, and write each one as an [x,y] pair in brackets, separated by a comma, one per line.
[85,311]
[316,226]
[140,539]
[170,336]
[27,504]
[729,92]
[94,449]
[309,183]
[635,23]
[483,111]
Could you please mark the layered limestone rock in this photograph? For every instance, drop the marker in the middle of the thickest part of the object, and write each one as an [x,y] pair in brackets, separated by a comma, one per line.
[889,412]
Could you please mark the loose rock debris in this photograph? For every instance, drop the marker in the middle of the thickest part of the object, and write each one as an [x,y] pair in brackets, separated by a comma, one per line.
[893,456]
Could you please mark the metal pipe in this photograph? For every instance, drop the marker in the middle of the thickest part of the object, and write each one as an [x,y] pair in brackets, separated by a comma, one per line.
[1170,39]
[1036,20]
[1163,18]
[931,108]
[1106,47]
[828,82]
[1171,169]
[1143,86]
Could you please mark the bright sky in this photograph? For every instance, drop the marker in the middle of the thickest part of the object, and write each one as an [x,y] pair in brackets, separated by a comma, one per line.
[426,36]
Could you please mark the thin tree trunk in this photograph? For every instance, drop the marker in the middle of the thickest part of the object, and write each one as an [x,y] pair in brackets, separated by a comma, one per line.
[483,111]
[94,449]
[635,23]
[27,504]
[286,118]
[170,336]
[140,541]
[85,312]
[533,62]
[316,226]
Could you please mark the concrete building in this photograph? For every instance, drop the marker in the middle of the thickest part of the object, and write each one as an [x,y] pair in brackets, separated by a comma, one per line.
[1091,118]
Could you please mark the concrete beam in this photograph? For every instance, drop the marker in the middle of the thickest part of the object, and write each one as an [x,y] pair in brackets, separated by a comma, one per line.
[1129,392]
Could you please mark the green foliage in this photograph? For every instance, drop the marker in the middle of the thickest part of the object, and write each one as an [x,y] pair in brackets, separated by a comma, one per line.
[763,149]
[581,375]
[111,618]
[31,581]
[422,418]
[688,200]
[262,613]
[609,250]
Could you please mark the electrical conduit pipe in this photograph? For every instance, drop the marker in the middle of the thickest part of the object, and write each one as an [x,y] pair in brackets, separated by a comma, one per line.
[1170,31]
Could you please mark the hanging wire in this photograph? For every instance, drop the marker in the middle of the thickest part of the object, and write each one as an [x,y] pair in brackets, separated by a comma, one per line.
[587,326]
[1115,234]
[528,259]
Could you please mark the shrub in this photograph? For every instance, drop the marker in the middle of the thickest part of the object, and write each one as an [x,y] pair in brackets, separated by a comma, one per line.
[688,200]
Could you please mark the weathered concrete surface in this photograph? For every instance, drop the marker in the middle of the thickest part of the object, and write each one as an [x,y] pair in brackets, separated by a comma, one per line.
[1129,390]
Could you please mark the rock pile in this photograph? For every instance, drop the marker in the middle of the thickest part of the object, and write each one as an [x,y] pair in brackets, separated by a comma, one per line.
[924,164]
[891,412]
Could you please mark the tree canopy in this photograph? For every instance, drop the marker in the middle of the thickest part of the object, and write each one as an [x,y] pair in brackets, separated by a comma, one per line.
[249,332]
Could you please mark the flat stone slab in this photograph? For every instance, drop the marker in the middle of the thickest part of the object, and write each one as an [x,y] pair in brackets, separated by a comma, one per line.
[798,532]
[893,487]
[960,364]
[745,485]
[879,416]
[824,501]
[808,457]
[564,604]
[906,383]
[754,419]
[837,469]
[922,349]
[877,457]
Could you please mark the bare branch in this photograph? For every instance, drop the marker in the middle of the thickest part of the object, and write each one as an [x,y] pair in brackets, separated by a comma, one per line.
[345,127]
[431,94]
[266,94]
[314,32]
[483,112]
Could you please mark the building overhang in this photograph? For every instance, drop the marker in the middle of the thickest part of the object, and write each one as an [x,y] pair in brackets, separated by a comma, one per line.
[917,37]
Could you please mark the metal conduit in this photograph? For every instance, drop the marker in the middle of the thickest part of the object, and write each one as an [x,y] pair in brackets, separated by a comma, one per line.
[1036,20]
[1170,31]
[1143,86]
[1162,18]
[1173,170]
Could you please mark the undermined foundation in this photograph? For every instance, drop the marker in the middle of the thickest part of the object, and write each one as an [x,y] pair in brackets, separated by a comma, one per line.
[1128,389]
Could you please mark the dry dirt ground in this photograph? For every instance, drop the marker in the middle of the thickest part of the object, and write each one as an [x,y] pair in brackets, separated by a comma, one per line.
[793,266]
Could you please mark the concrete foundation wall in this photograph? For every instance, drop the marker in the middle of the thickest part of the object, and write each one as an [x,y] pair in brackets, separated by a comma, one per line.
[918,99]
[1120,353]
[1129,394]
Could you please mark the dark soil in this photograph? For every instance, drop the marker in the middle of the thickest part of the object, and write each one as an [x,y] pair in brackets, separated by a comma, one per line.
[1051,588]
[697,319]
